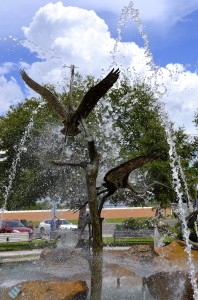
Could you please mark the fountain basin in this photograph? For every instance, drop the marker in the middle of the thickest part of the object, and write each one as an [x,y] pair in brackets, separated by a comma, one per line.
[127,272]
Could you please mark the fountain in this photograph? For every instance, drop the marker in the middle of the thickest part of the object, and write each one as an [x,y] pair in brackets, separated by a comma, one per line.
[127,269]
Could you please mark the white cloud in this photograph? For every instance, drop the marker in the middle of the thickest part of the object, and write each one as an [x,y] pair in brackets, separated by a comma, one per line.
[181,97]
[14,14]
[67,35]
[166,12]
[10,93]
[6,67]
[156,11]
[76,36]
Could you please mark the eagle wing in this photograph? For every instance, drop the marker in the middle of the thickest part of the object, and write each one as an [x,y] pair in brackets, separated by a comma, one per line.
[119,175]
[94,94]
[51,99]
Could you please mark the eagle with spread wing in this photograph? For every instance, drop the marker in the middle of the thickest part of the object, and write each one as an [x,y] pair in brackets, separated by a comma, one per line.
[72,118]
[118,177]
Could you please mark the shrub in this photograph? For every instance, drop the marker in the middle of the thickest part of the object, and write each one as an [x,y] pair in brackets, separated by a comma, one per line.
[137,223]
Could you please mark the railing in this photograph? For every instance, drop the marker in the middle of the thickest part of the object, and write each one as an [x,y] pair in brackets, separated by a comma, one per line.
[124,234]
[15,237]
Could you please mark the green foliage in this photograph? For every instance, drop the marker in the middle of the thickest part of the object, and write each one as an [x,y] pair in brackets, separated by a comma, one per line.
[176,231]
[137,115]
[114,220]
[136,130]
[137,223]
[109,241]
[41,205]
[31,181]
[196,118]
[19,246]
[138,118]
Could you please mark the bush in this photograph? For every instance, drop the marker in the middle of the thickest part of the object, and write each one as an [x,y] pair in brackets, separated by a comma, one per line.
[176,232]
[135,223]
[19,246]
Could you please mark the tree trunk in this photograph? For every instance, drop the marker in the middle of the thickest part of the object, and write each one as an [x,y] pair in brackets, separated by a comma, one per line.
[81,226]
[96,275]
[97,244]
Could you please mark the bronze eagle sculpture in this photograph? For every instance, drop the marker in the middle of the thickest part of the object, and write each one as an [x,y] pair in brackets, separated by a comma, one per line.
[72,118]
[117,177]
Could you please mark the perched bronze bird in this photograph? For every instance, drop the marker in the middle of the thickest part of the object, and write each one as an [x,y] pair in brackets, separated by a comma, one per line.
[117,177]
[72,118]
[191,218]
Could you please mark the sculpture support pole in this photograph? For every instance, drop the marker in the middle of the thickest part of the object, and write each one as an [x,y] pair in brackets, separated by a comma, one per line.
[97,246]
[91,169]
[72,67]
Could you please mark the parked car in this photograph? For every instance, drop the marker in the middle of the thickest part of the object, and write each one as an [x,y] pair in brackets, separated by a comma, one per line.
[44,226]
[64,224]
[28,224]
[12,226]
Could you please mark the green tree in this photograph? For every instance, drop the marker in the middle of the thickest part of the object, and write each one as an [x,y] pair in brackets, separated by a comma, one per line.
[137,113]
[31,181]
[127,118]
[35,177]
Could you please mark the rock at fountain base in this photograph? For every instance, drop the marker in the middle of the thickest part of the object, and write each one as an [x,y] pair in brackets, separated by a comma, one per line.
[170,286]
[175,252]
[51,255]
[44,290]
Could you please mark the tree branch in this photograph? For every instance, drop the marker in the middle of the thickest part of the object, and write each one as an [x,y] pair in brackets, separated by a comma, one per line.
[81,206]
[61,163]
[129,186]
[104,198]
[93,154]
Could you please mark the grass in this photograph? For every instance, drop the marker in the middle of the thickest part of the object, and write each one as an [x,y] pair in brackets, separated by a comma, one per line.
[109,241]
[17,246]
[114,220]
[75,222]
[36,223]
[40,244]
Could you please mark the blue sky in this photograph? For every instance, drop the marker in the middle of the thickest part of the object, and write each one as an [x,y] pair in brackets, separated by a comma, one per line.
[85,33]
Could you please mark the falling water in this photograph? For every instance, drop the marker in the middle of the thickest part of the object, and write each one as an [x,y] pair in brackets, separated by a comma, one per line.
[19,149]
[158,238]
[41,54]
[134,13]
[176,170]
[130,11]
